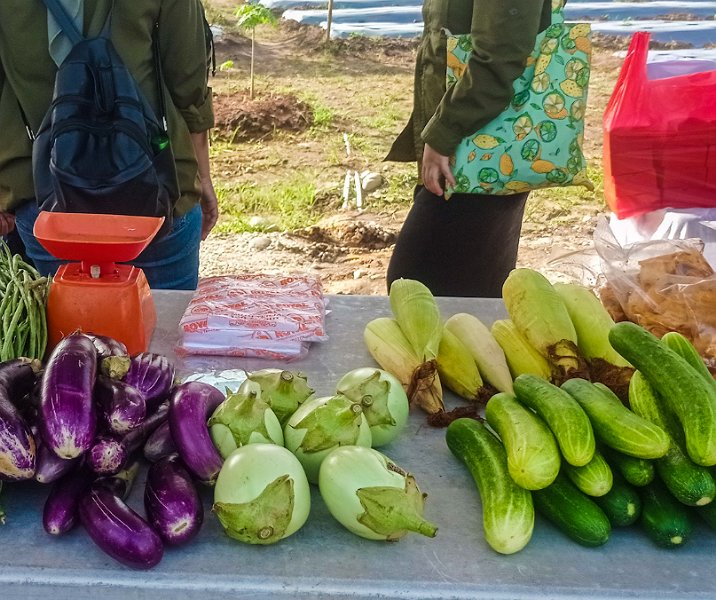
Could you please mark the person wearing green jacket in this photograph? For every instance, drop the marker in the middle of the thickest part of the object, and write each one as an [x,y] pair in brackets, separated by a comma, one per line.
[32,46]
[467,245]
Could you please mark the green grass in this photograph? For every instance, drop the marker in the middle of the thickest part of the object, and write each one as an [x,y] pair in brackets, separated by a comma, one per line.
[290,203]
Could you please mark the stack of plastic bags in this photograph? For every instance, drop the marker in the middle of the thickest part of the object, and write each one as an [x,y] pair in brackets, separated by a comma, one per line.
[254,316]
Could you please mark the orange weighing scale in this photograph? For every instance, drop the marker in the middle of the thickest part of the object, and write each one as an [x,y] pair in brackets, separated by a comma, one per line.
[96,294]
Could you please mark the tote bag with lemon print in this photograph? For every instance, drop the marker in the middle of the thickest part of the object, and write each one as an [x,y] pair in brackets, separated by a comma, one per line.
[536,142]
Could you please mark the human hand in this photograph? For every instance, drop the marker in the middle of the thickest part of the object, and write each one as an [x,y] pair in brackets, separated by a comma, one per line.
[436,171]
[209,208]
[7,222]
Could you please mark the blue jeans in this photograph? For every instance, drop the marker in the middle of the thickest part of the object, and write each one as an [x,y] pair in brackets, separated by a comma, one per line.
[171,262]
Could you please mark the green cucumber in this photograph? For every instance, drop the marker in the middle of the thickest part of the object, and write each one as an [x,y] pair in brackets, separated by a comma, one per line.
[664,519]
[533,457]
[615,425]
[686,392]
[637,471]
[507,510]
[594,479]
[621,504]
[572,512]
[690,483]
[567,420]
[685,349]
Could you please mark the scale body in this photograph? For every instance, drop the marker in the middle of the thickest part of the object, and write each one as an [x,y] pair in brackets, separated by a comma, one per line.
[95,294]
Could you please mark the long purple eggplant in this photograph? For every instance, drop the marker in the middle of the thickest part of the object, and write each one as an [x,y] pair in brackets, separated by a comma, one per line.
[18,376]
[111,453]
[18,453]
[153,375]
[122,407]
[59,514]
[159,444]
[107,346]
[50,467]
[118,530]
[174,508]
[190,406]
[68,419]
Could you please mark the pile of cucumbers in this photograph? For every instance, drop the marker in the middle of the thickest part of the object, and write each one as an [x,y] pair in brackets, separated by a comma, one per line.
[586,462]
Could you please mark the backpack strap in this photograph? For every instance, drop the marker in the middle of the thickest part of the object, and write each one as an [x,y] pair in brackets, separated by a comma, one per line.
[64,21]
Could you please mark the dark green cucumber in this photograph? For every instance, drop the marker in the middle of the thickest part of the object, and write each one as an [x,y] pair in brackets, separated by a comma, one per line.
[686,392]
[507,509]
[690,483]
[615,425]
[685,349]
[637,471]
[533,457]
[621,504]
[664,519]
[567,420]
[572,512]
[594,479]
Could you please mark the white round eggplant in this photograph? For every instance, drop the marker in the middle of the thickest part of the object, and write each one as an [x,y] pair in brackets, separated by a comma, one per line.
[371,496]
[384,401]
[321,425]
[261,495]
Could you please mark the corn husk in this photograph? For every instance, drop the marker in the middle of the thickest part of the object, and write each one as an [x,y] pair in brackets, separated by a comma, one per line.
[457,368]
[391,350]
[418,316]
[539,313]
[484,348]
[520,355]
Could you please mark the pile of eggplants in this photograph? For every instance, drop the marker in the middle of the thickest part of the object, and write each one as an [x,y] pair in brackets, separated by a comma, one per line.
[84,424]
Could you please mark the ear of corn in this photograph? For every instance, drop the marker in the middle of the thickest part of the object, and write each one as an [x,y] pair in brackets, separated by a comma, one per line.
[521,356]
[418,315]
[540,314]
[391,350]
[484,348]
[457,368]
[592,323]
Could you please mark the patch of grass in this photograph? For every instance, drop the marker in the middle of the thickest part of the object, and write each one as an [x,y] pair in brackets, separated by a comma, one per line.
[290,203]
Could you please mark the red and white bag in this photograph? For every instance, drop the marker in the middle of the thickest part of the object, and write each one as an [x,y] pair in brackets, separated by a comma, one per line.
[264,316]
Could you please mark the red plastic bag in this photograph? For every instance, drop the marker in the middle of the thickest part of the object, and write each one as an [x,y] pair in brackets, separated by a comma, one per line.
[659,138]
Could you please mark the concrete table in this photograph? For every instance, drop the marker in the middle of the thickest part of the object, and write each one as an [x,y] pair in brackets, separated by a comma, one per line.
[323,560]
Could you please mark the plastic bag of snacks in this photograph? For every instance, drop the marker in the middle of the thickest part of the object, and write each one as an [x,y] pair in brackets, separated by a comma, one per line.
[254,316]
[663,285]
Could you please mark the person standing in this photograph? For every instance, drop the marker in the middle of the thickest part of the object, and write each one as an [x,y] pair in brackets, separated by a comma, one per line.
[31,48]
[467,245]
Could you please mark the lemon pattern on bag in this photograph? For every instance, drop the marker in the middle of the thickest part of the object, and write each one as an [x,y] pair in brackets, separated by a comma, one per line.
[537,140]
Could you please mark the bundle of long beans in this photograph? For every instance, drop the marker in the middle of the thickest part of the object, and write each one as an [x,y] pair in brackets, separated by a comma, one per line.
[23,298]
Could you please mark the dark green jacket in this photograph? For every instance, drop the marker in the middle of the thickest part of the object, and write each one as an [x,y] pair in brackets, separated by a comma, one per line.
[27,74]
[503,36]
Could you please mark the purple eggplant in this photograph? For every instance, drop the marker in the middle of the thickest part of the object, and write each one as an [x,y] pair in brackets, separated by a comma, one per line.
[120,484]
[50,467]
[153,375]
[68,419]
[121,406]
[174,508]
[107,346]
[60,511]
[18,376]
[190,406]
[111,453]
[159,444]
[18,453]
[118,530]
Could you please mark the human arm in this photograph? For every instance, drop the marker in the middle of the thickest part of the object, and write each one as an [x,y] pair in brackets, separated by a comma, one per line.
[209,202]
[503,34]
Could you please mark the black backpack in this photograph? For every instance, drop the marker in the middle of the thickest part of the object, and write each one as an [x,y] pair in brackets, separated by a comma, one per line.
[101,147]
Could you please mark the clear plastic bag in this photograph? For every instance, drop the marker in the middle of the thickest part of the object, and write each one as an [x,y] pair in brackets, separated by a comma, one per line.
[663,285]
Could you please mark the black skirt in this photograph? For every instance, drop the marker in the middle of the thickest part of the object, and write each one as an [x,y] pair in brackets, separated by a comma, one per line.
[464,246]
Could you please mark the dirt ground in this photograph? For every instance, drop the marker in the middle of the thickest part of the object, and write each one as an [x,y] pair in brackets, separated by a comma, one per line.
[350,249]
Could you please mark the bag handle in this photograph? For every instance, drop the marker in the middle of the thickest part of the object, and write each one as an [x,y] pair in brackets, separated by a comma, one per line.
[630,85]
[64,21]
